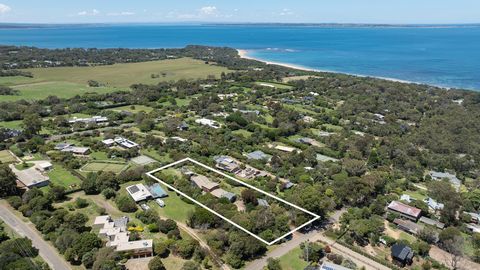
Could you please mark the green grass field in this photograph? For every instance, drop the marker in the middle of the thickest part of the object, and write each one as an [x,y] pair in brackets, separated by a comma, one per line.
[175,208]
[272,84]
[292,260]
[62,177]
[7,157]
[60,89]
[103,166]
[124,75]
[134,108]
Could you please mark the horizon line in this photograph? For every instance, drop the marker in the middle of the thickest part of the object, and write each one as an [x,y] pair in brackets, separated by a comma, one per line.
[245,23]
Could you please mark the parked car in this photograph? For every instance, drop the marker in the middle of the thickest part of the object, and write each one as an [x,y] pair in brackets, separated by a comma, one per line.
[160,202]
[145,207]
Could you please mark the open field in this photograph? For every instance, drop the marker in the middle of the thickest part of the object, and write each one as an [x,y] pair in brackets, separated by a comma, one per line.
[292,260]
[7,157]
[124,75]
[274,85]
[103,166]
[62,177]
[133,108]
[61,89]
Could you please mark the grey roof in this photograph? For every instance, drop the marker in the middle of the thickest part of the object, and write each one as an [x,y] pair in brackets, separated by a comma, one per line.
[258,155]
[445,175]
[402,252]
[432,222]
[121,222]
[262,202]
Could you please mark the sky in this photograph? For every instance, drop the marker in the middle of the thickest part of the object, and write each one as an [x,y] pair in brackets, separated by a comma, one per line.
[280,11]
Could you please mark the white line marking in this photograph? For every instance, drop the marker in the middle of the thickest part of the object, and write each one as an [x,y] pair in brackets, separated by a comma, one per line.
[150,174]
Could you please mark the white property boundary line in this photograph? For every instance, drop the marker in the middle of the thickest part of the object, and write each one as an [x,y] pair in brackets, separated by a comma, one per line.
[150,174]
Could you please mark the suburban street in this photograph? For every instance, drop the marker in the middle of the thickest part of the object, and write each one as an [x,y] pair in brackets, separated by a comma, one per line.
[46,251]
[314,236]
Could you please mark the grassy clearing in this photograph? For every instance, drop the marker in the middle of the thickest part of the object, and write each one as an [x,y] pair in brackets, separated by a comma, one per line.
[292,260]
[104,166]
[274,85]
[17,124]
[164,159]
[243,132]
[60,89]
[134,108]
[173,262]
[124,75]
[7,157]
[175,208]
[62,177]
[18,80]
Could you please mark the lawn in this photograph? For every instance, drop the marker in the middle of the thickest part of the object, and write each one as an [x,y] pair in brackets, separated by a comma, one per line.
[175,208]
[274,85]
[17,124]
[62,177]
[155,155]
[61,89]
[7,157]
[104,166]
[134,108]
[124,75]
[292,260]
[243,132]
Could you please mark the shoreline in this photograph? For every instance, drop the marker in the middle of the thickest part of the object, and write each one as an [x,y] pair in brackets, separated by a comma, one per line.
[244,54]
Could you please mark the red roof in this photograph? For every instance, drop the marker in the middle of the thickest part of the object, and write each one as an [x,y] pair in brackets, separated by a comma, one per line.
[404,209]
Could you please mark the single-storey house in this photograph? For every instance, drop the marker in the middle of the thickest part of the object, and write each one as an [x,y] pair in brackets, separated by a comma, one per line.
[183,126]
[434,205]
[208,122]
[221,193]
[61,146]
[258,155]
[137,248]
[125,143]
[331,266]
[204,183]
[139,192]
[404,210]
[432,222]
[263,202]
[31,177]
[408,226]
[108,142]
[227,164]
[45,166]
[286,149]
[77,150]
[475,216]
[402,254]
[444,175]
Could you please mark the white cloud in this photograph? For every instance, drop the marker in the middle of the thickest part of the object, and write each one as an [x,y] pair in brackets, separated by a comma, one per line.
[94,12]
[123,13]
[286,12]
[4,9]
[208,10]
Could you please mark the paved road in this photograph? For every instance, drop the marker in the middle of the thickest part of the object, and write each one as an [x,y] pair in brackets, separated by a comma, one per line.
[46,251]
[314,236]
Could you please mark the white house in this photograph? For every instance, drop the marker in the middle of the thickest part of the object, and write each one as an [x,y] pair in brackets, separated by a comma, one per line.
[208,122]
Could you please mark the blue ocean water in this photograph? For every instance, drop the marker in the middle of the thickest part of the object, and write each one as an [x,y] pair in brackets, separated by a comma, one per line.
[442,56]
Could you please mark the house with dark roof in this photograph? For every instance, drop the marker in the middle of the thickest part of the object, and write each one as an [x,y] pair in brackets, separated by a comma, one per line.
[404,210]
[432,222]
[402,254]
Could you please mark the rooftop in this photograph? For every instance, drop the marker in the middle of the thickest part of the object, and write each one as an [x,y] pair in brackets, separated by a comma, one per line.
[204,182]
[258,155]
[139,192]
[405,209]
[135,245]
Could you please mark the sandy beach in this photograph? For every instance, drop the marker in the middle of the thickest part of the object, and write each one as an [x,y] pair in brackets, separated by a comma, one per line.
[244,54]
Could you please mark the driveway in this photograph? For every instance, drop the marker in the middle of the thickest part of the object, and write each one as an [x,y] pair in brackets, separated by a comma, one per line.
[46,251]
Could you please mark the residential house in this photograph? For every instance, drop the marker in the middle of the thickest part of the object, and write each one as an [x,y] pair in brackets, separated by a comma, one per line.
[183,126]
[432,222]
[125,143]
[208,122]
[438,176]
[402,254]
[258,155]
[433,205]
[286,149]
[76,150]
[406,198]
[404,210]
[331,266]
[95,119]
[117,235]
[204,183]
[324,158]
[31,177]
[62,146]
[474,216]
[141,192]
[221,193]
[45,166]
[227,163]
[408,226]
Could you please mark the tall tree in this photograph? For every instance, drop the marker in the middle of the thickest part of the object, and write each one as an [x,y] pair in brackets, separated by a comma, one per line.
[8,184]
[32,124]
